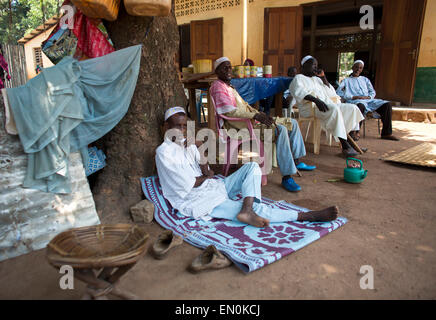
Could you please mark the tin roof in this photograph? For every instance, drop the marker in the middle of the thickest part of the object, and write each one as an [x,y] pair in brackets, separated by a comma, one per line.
[42,28]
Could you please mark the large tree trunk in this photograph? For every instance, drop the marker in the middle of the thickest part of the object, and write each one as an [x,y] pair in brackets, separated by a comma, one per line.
[130,146]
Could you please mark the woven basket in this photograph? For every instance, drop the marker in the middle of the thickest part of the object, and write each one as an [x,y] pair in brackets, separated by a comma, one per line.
[102,9]
[97,246]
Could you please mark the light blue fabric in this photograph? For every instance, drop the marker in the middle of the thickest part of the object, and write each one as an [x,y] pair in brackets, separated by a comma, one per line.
[247,181]
[69,106]
[360,86]
[289,146]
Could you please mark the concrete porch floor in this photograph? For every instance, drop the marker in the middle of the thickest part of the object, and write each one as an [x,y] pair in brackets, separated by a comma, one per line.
[392,223]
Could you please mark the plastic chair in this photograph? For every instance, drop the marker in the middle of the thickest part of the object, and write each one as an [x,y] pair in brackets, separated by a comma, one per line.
[232,145]
[315,123]
[200,106]
[370,116]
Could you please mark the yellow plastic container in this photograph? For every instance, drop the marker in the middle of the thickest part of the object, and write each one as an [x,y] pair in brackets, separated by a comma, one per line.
[101,9]
[202,65]
[159,8]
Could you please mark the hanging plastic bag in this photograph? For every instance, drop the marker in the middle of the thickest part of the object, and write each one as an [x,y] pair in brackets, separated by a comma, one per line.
[93,39]
[63,43]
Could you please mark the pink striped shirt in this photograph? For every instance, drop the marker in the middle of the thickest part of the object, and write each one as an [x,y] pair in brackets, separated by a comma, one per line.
[223,97]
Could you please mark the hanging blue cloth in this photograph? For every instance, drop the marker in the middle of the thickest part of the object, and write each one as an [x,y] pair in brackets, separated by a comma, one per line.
[69,106]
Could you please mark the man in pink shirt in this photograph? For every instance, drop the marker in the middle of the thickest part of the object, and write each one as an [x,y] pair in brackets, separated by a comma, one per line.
[290,144]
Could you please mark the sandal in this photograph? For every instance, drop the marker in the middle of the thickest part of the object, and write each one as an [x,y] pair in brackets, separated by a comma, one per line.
[166,241]
[210,258]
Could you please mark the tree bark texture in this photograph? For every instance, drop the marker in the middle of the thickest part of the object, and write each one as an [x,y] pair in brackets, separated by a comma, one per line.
[130,146]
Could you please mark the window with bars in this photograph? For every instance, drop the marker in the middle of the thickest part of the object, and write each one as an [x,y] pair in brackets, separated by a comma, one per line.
[37,57]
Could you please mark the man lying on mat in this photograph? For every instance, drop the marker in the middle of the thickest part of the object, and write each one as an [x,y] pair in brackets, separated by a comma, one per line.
[191,189]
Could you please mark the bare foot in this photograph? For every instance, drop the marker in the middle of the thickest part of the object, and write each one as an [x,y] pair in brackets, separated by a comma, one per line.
[324,215]
[251,218]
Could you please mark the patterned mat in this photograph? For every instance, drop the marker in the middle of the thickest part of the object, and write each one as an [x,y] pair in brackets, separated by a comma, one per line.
[250,248]
[423,155]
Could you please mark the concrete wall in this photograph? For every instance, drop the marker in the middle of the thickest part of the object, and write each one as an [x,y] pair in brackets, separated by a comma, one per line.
[232,27]
[425,84]
[427,51]
[28,49]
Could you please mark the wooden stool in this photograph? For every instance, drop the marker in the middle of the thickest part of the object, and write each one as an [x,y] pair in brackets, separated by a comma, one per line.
[99,255]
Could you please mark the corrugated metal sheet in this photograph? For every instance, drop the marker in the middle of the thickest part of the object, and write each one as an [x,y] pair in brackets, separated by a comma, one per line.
[29,218]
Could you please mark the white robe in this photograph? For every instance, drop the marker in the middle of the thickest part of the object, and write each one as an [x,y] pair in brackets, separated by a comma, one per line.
[177,168]
[339,120]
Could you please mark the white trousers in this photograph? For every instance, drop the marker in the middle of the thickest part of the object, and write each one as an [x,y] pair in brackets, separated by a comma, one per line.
[339,120]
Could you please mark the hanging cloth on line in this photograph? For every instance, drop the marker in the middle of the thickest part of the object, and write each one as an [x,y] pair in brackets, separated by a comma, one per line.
[69,106]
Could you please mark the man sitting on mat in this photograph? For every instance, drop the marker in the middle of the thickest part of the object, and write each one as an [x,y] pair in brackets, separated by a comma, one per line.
[190,188]
[290,144]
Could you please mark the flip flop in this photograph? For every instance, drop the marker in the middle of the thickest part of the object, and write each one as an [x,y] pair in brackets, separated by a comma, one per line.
[166,241]
[210,259]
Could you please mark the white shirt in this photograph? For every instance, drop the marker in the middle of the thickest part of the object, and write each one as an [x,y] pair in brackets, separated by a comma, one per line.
[178,167]
[302,86]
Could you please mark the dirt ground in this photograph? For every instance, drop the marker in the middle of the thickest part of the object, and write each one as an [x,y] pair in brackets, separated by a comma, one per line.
[392,223]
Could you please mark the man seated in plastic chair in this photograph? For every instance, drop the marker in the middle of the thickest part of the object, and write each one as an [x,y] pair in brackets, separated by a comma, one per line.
[359,90]
[187,183]
[289,144]
[337,118]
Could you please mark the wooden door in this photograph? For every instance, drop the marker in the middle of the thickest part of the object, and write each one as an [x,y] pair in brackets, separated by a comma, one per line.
[185,45]
[401,33]
[283,34]
[207,39]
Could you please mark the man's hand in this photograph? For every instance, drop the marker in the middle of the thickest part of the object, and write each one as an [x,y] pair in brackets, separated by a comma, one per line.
[210,173]
[199,180]
[263,118]
[321,106]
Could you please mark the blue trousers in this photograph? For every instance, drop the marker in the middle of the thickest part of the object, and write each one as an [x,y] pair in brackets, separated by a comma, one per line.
[247,181]
[290,146]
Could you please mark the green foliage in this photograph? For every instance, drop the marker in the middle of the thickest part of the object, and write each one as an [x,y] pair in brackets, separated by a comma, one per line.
[26,16]
[346,60]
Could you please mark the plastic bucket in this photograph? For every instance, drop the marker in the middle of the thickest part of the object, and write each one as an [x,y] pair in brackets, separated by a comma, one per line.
[247,72]
[240,72]
[202,65]
[253,72]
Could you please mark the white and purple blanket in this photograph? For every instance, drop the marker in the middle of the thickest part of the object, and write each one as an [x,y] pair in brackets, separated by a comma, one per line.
[250,248]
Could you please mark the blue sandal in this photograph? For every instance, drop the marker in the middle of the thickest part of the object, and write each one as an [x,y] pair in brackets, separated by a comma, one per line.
[290,185]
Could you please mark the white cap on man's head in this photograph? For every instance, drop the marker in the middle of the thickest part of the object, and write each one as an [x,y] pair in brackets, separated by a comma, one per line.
[359,61]
[219,61]
[172,111]
[305,59]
